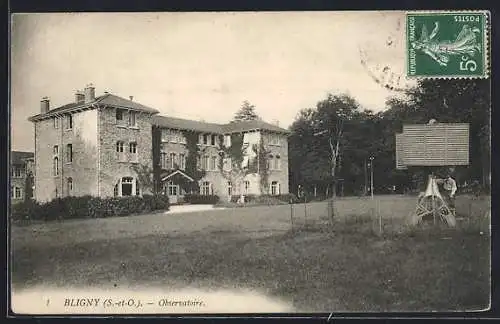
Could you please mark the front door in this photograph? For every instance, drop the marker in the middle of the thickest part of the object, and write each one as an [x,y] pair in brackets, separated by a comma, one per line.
[173,192]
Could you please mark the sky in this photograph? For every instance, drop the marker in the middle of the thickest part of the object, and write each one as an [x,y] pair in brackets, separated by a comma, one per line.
[201,66]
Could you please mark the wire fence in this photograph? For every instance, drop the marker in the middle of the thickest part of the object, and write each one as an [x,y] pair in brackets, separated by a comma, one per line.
[386,214]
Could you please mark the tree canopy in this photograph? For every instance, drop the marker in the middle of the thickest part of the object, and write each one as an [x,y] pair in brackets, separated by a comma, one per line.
[366,134]
[246,112]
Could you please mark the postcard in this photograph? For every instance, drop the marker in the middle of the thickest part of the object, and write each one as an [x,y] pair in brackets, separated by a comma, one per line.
[250,162]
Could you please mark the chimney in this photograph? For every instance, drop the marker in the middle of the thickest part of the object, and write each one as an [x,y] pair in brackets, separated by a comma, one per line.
[89,93]
[131,98]
[277,122]
[44,105]
[79,97]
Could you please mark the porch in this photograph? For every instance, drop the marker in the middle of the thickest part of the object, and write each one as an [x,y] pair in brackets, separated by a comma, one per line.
[176,184]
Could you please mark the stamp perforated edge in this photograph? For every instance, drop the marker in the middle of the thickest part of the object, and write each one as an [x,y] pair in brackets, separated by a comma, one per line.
[486,51]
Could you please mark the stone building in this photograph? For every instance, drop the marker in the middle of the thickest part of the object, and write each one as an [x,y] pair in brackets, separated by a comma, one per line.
[110,146]
[21,176]
[263,145]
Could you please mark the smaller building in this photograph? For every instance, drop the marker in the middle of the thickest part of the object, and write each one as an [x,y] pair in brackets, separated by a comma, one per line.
[21,176]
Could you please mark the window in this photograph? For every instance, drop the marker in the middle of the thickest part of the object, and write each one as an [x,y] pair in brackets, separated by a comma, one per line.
[229,188]
[56,150]
[172,161]
[182,139]
[164,135]
[277,164]
[133,148]
[214,140]
[205,188]
[247,186]
[227,140]
[132,118]
[133,151]
[70,186]
[172,189]
[17,171]
[274,139]
[69,153]
[204,162]
[182,161]
[137,189]
[274,188]
[213,163]
[56,122]
[55,166]
[205,139]
[17,193]
[120,151]
[174,137]
[269,162]
[164,160]
[119,114]
[69,121]
[119,147]
[127,186]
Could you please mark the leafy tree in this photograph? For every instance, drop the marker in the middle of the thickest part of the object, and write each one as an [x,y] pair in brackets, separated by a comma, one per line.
[246,112]
[346,136]
[333,119]
[308,162]
[145,175]
[232,163]
[319,137]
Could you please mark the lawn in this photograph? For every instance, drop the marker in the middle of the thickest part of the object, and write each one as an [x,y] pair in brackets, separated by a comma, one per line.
[315,267]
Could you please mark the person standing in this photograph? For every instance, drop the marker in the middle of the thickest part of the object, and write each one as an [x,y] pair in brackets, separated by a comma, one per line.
[450,189]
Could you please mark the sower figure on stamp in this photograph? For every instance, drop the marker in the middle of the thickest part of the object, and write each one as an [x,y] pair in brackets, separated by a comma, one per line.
[450,188]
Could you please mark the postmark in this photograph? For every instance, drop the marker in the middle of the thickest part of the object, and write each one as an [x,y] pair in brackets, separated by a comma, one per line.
[450,44]
[382,56]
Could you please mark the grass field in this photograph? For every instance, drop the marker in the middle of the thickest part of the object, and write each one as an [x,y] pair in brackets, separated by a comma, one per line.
[314,267]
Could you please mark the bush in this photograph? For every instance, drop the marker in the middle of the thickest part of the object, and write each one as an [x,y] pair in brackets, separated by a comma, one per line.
[266,199]
[201,199]
[25,210]
[88,207]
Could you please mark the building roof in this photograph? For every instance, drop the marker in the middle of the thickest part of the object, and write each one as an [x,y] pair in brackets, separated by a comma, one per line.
[179,123]
[19,157]
[116,101]
[248,125]
[112,100]
[233,127]
[107,99]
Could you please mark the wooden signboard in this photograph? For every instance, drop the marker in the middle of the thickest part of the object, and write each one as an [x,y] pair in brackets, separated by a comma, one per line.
[440,144]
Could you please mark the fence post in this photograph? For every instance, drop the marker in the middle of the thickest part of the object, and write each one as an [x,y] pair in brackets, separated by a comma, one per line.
[305,211]
[379,217]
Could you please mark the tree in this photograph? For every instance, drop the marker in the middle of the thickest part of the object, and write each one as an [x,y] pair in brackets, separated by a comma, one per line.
[331,118]
[453,101]
[232,164]
[145,176]
[246,112]
[318,139]
[308,161]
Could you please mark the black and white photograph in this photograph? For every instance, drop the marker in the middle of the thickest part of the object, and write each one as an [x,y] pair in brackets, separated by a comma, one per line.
[250,162]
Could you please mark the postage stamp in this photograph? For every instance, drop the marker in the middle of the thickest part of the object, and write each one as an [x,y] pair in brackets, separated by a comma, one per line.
[447,44]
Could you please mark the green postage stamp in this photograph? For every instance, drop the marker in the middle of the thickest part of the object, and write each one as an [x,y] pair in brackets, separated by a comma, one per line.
[447,44]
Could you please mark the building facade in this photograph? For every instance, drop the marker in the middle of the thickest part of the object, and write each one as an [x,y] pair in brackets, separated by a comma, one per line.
[21,176]
[110,146]
[262,166]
